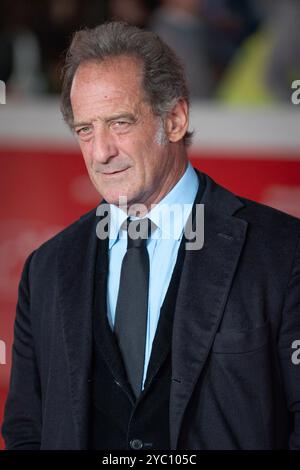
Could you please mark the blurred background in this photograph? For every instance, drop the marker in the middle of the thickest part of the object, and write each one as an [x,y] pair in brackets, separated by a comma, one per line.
[242,58]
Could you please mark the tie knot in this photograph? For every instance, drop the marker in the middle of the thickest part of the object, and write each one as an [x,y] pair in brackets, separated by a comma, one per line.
[138,232]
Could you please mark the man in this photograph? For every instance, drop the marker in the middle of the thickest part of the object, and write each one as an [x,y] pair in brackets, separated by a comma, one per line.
[134,341]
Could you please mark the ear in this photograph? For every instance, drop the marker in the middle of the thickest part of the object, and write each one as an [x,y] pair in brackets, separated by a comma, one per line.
[177,121]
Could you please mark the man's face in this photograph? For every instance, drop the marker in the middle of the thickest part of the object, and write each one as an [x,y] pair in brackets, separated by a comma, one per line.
[123,143]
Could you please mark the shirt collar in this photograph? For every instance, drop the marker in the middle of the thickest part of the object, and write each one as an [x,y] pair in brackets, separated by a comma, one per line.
[169,215]
[117,217]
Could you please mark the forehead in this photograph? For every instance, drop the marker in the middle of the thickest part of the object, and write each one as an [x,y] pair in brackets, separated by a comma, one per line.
[118,78]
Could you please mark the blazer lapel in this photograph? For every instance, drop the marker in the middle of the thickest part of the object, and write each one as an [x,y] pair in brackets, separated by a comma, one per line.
[204,287]
[76,267]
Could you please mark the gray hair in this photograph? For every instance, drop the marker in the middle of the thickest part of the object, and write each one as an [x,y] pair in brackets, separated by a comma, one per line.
[164,80]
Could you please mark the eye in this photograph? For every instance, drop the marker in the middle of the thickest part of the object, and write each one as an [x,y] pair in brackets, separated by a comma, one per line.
[83,130]
[120,125]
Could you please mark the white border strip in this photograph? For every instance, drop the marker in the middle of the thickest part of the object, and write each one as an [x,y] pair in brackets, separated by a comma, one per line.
[269,129]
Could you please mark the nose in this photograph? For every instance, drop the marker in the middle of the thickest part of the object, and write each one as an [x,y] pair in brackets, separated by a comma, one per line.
[104,146]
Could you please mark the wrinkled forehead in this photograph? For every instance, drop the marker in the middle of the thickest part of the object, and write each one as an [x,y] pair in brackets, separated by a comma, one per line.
[124,72]
[103,90]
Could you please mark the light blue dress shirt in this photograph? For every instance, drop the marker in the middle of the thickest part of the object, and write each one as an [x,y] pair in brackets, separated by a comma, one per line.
[170,216]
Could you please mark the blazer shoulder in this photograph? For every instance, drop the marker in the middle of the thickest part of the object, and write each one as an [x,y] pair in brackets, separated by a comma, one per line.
[268,217]
[223,201]
[78,228]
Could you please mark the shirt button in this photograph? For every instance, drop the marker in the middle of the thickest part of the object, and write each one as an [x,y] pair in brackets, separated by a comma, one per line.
[136,444]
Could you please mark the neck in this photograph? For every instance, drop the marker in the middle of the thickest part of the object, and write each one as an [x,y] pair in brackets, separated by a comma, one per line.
[169,179]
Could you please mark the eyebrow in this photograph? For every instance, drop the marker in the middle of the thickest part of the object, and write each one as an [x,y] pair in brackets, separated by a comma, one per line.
[79,124]
[130,116]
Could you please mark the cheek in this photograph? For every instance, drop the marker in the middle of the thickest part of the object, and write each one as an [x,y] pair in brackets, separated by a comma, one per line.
[153,159]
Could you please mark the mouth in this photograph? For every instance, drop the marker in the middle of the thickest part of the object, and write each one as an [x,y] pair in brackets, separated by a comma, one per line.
[113,173]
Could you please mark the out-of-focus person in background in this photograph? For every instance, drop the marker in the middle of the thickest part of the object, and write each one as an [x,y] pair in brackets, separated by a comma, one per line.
[283,66]
[179,24]
[228,23]
[34,36]
[57,20]
[135,12]
[268,61]
[233,50]
[20,52]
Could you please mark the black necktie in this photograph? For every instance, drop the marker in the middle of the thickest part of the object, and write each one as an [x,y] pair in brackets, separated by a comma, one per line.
[132,303]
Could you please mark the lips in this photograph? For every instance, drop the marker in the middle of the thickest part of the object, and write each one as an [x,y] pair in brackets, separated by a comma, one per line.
[115,172]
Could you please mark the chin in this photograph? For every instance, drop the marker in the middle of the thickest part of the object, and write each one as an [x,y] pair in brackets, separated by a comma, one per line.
[113,198]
